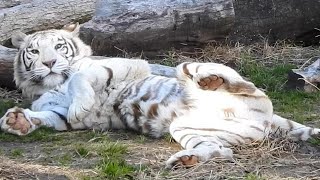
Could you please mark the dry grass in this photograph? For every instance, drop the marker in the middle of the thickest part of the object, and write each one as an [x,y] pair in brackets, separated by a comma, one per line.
[281,51]
[14,95]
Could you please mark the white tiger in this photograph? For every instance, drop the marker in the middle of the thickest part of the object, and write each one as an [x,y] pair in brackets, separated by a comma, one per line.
[207,107]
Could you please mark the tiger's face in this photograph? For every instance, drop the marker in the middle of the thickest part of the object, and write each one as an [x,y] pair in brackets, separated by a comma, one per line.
[45,58]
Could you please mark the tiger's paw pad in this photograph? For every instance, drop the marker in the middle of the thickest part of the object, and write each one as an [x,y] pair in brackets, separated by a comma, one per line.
[211,82]
[185,161]
[15,122]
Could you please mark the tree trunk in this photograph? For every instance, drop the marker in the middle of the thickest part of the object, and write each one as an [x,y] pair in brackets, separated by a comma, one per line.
[153,25]
[6,67]
[34,15]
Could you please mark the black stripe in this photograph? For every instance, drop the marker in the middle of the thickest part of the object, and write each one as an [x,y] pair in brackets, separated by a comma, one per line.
[62,117]
[24,56]
[75,47]
[195,146]
[110,73]
[71,48]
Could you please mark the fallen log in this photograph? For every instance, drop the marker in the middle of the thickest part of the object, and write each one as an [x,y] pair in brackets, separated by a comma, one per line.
[153,25]
[34,15]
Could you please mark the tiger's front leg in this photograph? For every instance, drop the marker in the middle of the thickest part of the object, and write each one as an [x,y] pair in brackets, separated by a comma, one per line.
[82,90]
[24,121]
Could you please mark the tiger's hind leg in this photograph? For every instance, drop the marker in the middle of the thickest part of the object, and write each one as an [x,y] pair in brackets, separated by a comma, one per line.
[213,76]
[294,130]
[199,149]
[198,146]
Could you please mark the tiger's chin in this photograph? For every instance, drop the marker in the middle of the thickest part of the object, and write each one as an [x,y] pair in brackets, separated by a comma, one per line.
[53,80]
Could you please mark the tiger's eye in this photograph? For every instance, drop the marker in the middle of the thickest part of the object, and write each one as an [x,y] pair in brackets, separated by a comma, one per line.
[58,46]
[34,51]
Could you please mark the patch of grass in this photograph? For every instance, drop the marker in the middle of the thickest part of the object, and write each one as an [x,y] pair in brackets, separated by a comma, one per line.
[116,169]
[170,59]
[296,105]
[81,150]
[268,78]
[16,153]
[5,104]
[168,138]
[314,141]
[65,159]
[113,164]
[43,134]
[141,139]
[251,176]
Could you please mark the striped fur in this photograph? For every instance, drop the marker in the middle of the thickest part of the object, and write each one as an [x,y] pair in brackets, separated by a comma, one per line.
[207,107]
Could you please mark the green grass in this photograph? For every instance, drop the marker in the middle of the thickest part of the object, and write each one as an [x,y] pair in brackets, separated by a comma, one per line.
[113,164]
[42,134]
[6,104]
[296,105]
[251,176]
[16,153]
[81,150]
[65,159]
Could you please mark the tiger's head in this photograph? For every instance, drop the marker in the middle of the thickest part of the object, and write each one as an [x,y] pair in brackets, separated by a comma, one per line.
[45,58]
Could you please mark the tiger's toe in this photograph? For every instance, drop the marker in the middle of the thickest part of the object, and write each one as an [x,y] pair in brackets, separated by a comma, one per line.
[211,82]
[186,161]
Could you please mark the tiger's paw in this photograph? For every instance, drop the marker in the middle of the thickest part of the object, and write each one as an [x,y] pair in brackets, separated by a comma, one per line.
[210,82]
[78,111]
[184,158]
[183,161]
[191,157]
[16,121]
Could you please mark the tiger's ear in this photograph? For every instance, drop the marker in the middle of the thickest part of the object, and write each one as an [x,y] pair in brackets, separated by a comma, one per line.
[18,38]
[73,28]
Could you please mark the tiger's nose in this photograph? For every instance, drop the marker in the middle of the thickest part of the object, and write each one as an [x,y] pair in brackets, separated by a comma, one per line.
[50,64]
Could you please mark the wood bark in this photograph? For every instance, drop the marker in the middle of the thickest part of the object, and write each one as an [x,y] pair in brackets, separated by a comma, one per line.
[153,25]
[34,15]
